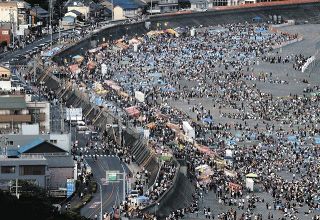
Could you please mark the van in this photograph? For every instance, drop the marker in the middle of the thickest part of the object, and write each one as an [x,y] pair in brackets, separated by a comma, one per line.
[82,128]
[134,193]
[82,123]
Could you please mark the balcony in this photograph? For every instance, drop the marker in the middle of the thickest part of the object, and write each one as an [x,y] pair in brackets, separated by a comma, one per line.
[15,118]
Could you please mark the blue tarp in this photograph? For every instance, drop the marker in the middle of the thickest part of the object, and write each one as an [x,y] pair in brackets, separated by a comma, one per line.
[164,89]
[98,101]
[207,120]
[292,138]
[317,140]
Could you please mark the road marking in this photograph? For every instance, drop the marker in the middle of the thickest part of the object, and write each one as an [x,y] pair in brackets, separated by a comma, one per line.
[94,205]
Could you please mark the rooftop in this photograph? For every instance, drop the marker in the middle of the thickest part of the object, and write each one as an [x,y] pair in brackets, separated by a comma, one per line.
[128,4]
[12,102]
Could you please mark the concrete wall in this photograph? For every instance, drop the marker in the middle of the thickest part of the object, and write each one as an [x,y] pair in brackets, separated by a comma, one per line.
[59,176]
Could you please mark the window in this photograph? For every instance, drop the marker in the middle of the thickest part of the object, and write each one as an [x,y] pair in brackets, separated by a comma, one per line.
[32,170]
[53,141]
[10,143]
[8,169]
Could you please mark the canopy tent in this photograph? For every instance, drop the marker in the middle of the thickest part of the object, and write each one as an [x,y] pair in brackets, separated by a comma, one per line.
[151,125]
[74,69]
[252,175]
[134,41]
[171,31]
[112,85]
[94,50]
[91,65]
[132,111]
[78,58]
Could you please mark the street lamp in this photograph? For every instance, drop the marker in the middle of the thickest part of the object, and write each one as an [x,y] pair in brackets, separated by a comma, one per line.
[100,200]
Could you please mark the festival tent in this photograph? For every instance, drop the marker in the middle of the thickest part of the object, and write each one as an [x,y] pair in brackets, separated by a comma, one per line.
[91,65]
[151,125]
[74,69]
[171,31]
[132,111]
[252,175]
[134,41]
[78,58]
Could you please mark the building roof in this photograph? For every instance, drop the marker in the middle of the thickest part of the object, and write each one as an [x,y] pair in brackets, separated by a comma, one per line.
[64,161]
[78,13]
[198,1]
[40,12]
[128,4]
[30,145]
[12,102]
[40,146]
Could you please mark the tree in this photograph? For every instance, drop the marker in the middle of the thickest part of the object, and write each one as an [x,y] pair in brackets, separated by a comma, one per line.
[32,204]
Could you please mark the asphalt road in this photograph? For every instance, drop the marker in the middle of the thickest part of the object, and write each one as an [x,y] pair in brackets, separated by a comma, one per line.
[7,56]
[112,193]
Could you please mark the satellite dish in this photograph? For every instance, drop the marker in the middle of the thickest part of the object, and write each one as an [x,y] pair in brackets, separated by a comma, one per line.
[18,146]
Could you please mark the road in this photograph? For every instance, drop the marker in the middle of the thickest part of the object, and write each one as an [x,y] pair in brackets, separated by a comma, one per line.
[7,56]
[112,193]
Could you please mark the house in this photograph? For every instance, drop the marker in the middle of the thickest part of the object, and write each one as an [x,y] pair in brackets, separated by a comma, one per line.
[198,4]
[15,111]
[80,7]
[167,6]
[75,14]
[127,9]
[68,22]
[39,15]
[38,161]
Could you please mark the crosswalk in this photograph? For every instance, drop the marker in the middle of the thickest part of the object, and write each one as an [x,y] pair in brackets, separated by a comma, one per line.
[99,155]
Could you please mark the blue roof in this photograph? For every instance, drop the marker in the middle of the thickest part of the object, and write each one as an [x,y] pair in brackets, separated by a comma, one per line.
[31,145]
[128,4]
[12,153]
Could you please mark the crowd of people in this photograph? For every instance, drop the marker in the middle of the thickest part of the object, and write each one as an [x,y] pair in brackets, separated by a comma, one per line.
[212,74]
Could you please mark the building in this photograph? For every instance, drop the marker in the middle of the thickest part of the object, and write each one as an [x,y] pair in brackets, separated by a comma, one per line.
[16,13]
[40,16]
[31,168]
[127,9]
[5,33]
[5,75]
[68,22]
[213,3]
[80,7]
[40,162]
[198,4]
[167,6]
[18,110]
[61,140]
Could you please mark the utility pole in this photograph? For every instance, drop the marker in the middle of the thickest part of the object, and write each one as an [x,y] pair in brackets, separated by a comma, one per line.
[11,13]
[61,119]
[112,11]
[50,21]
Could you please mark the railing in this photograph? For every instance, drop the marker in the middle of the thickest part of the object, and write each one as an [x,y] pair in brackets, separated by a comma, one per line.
[15,118]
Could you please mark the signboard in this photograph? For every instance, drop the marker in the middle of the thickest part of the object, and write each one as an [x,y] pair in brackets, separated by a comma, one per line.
[139,96]
[74,114]
[103,69]
[111,176]
[70,187]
